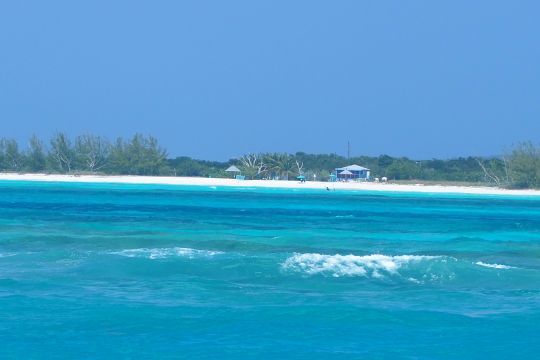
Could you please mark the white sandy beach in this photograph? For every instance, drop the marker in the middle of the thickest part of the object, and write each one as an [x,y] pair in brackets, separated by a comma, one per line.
[199,181]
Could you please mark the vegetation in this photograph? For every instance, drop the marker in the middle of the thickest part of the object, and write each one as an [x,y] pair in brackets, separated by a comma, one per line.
[523,165]
[142,155]
[86,154]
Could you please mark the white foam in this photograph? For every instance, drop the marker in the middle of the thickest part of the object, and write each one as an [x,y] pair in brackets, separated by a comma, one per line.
[162,253]
[7,255]
[494,266]
[375,265]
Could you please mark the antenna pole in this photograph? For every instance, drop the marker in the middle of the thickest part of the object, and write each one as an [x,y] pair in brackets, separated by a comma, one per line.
[348,149]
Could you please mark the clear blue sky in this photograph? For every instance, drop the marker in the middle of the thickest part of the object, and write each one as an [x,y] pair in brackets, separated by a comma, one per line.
[215,79]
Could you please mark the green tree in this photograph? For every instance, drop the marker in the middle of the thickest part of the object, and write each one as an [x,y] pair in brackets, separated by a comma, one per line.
[524,165]
[11,158]
[281,164]
[2,156]
[252,165]
[92,152]
[36,160]
[186,166]
[154,156]
[61,152]
[140,156]
[385,161]
[118,159]
[403,169]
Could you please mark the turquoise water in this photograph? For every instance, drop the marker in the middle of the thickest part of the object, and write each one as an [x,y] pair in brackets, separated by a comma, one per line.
[126,271]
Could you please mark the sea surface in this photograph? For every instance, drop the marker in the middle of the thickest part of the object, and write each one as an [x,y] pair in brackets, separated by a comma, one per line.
[91,271]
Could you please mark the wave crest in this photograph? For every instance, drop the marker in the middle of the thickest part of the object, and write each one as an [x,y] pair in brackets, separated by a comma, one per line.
[375,265]
[163,253]
[2,255]
[494,266]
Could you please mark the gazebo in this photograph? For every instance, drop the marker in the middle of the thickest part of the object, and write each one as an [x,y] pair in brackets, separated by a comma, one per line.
[233,169]
[345,174]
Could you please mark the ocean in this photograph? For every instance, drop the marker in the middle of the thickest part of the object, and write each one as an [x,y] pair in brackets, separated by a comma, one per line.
[92,271]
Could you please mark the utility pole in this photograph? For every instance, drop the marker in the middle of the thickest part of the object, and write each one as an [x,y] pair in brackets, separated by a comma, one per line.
[348,149]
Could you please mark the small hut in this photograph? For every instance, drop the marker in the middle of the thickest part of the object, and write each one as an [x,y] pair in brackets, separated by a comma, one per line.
[345,174]
[233,169]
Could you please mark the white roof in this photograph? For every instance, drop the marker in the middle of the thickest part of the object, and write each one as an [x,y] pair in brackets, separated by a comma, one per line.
[345,172]
[353,167]
[233,169]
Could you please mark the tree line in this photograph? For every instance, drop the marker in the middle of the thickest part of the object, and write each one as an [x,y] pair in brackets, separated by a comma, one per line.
[520,168]
[142,155]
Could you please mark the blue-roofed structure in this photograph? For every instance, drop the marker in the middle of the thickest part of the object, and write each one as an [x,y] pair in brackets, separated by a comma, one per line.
[351,172]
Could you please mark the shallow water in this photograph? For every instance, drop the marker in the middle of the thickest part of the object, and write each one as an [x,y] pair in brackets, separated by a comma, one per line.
[142,271]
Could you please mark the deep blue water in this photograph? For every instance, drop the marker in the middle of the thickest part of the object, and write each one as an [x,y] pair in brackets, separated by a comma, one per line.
[125,271]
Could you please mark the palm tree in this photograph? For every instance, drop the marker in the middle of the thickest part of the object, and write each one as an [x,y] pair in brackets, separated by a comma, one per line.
[281,164]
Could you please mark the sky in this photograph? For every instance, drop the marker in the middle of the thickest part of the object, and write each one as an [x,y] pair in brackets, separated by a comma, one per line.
[217,79]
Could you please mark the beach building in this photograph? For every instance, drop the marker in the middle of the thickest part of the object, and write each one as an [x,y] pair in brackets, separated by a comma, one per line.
[236,172]
[351,172]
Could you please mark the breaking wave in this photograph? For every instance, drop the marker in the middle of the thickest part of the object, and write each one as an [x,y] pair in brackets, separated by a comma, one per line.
[494,266]
[373,266]
[163,253]
[2,255]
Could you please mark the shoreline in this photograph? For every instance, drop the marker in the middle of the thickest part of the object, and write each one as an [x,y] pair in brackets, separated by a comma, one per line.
[282,184]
